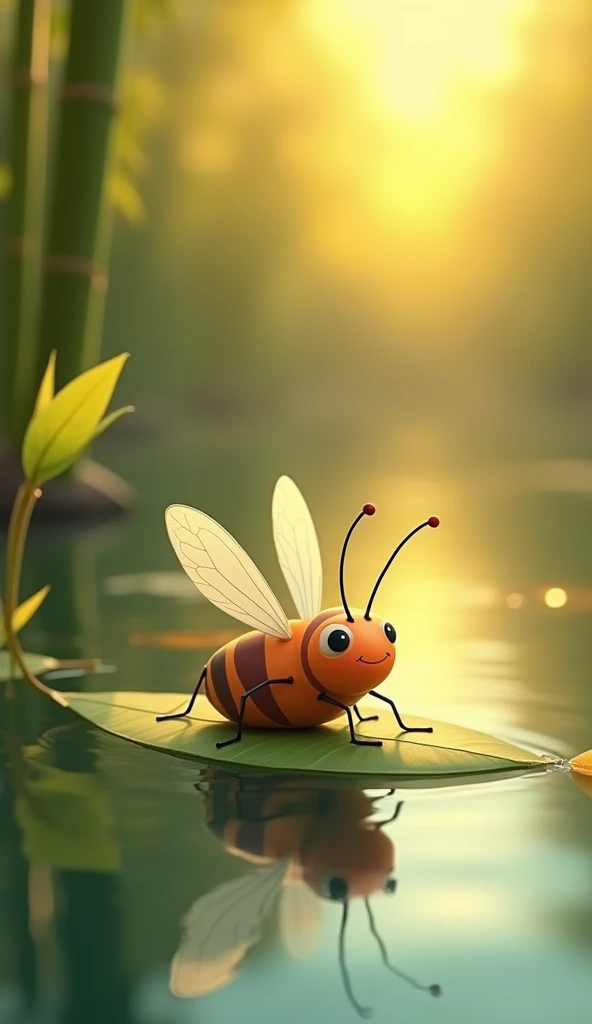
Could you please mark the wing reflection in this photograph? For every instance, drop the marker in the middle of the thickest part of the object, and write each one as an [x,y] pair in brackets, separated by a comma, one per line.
[306,845]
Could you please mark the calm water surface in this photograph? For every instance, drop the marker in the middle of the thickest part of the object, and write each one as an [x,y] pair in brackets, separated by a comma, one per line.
[111,848]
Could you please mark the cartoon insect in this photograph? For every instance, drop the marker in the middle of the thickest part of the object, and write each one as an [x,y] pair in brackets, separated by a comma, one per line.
[309,845]
[285,674]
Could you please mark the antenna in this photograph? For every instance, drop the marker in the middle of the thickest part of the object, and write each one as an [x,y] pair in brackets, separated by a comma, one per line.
[433,521]
[363,1011]
[434,990]
[368,510]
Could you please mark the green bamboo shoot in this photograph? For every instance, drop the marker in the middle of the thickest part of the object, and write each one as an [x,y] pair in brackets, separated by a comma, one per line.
[73,282]
[28,142]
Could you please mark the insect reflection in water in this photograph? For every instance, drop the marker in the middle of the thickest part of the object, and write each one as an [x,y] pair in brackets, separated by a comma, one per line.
[308,845]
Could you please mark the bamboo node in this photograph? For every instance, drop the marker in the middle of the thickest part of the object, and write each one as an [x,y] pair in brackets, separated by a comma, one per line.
[93,92]
[63,263]
[19,245]
[26,78]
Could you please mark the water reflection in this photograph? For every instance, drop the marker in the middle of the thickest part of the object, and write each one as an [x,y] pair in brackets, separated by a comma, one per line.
[63,906]
[309,844]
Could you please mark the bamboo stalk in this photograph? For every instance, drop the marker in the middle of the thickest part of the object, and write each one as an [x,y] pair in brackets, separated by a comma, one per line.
[74,285]
[28,144]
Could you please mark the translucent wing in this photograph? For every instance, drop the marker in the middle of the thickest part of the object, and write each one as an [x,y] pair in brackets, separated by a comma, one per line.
[219,929]
[298,919]
[297,547]
[223,572]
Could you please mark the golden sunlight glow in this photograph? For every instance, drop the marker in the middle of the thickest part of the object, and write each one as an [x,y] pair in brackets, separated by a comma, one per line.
[415,54]
[515,600]
[555,597]
[374,131]
[208,153]
[413,127]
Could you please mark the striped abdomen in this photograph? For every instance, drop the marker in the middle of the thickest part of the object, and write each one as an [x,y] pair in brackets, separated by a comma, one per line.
[267,827]
[250,660]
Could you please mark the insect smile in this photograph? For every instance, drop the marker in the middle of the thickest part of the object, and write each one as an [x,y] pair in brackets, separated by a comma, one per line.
[379,662]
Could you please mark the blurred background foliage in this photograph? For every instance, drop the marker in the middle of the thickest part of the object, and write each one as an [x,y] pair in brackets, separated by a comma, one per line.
[378,206]
[141,107]
[344,206]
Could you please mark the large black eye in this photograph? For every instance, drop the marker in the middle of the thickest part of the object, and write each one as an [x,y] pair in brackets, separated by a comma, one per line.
[390,632]
[334,640]
[335,888]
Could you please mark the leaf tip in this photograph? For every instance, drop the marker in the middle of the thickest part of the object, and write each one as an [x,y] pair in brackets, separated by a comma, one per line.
[47,387]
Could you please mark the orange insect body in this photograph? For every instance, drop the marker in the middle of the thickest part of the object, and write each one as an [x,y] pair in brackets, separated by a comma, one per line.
[248,660]
[286,674]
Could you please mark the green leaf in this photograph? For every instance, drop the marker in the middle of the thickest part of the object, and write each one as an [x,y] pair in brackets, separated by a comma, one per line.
[47,388]
[447,752]
[112,418]
[59,433]
[23,613]
[126,199]
[27,609]
[36,663]
[61,467]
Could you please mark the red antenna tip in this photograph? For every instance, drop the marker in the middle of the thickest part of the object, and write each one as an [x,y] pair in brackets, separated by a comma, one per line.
[433,521]
[369,509]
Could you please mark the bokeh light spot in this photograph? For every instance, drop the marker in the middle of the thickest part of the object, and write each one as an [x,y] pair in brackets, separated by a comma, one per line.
[555,597]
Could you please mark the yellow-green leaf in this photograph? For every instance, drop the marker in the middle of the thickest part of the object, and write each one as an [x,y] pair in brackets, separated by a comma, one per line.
[58,434]
[37,664]
[47,388]
[60,467]
[126,199]
[112,418]
[23,613]
[27,609]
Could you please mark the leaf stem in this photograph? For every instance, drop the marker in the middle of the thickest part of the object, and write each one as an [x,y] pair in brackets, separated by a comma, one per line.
[24,503]
[20,518]
[84,664]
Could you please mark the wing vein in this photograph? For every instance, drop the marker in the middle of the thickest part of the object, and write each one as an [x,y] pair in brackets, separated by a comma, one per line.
[223,572]
[297,547]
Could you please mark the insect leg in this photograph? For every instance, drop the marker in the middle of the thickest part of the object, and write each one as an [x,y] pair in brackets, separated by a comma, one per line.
[434,990]
[181,714]
[266,682]
[400,721]
[344,707]
[383,796]
[370,718]
[393,817]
